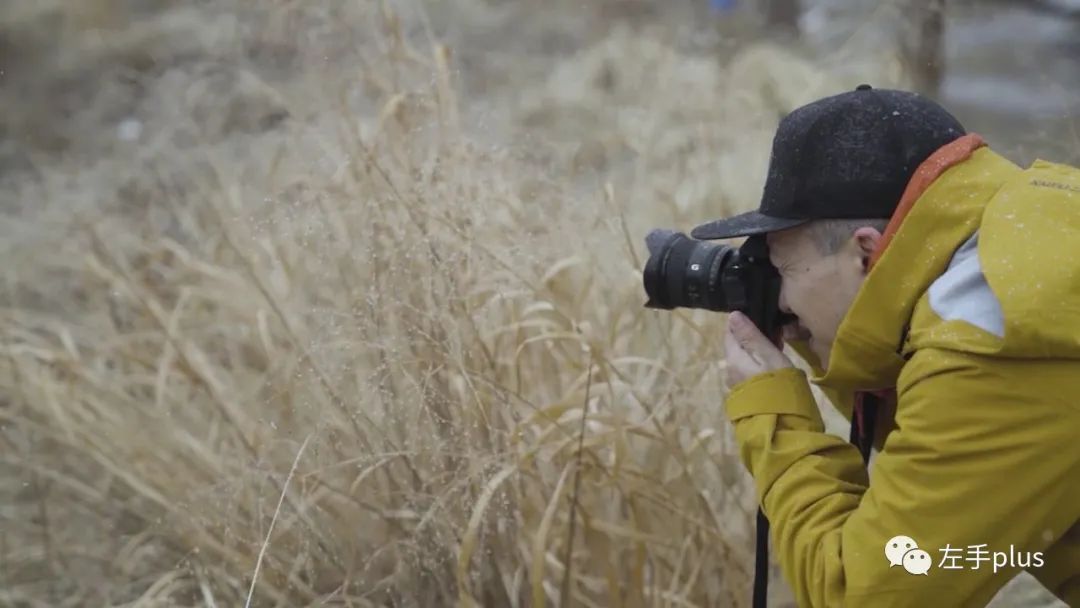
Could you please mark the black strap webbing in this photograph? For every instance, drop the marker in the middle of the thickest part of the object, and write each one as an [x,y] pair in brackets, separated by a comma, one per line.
[761,561]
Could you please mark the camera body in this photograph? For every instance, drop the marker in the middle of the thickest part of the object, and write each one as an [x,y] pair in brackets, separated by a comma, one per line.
[688,273]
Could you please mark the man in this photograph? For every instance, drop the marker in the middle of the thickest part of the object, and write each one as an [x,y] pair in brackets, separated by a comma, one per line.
[917,261]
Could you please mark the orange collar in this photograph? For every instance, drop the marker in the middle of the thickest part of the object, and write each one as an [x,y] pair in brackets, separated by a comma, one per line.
[940,161]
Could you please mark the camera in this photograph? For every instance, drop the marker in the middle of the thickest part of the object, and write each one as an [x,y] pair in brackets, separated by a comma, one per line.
[688,273]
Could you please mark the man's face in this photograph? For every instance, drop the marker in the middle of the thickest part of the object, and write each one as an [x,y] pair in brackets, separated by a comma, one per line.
[816,287]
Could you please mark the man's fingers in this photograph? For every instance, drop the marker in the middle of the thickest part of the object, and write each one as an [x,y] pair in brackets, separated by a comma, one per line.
[750,339]
[744,330]
[736,353]
[748,352]
[740,364]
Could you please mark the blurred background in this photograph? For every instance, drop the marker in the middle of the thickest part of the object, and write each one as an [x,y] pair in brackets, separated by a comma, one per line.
[326,303]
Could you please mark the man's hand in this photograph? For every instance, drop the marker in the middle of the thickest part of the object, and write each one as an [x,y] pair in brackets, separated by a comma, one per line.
[748,351]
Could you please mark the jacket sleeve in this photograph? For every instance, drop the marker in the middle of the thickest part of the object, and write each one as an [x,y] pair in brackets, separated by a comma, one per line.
[975,460]
[845,402]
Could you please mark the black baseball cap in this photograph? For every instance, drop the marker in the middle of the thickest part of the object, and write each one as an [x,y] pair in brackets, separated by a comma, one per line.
[847,156]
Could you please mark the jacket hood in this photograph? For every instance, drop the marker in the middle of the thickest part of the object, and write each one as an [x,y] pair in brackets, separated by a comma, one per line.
[942,208]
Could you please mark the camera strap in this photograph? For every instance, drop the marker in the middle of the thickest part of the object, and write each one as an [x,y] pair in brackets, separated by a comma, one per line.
[863,419]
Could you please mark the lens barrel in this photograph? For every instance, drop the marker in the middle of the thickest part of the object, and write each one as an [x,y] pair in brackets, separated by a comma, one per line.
[684,272]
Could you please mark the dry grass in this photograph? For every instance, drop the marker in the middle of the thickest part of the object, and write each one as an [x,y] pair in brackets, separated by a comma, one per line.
[374,355]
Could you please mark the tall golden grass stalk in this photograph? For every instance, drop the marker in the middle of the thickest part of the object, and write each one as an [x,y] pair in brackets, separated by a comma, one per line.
[451,336]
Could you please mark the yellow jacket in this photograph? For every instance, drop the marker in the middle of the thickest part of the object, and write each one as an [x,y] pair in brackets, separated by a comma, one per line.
[972,312]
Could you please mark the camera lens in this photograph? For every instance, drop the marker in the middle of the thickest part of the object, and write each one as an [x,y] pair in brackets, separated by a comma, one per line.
[683,272]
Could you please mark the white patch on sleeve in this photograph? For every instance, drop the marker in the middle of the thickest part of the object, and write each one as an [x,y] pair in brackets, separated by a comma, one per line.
[962,293]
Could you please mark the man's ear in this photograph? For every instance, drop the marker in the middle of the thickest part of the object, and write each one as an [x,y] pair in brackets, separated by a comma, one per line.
[866,241]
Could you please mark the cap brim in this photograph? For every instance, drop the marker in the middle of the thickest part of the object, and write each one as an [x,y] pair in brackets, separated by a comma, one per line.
[744,224]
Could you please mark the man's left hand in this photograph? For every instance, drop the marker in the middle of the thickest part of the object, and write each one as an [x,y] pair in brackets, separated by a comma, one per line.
[748,351]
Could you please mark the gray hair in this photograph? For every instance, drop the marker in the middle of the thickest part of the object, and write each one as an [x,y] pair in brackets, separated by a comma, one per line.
[830,235]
